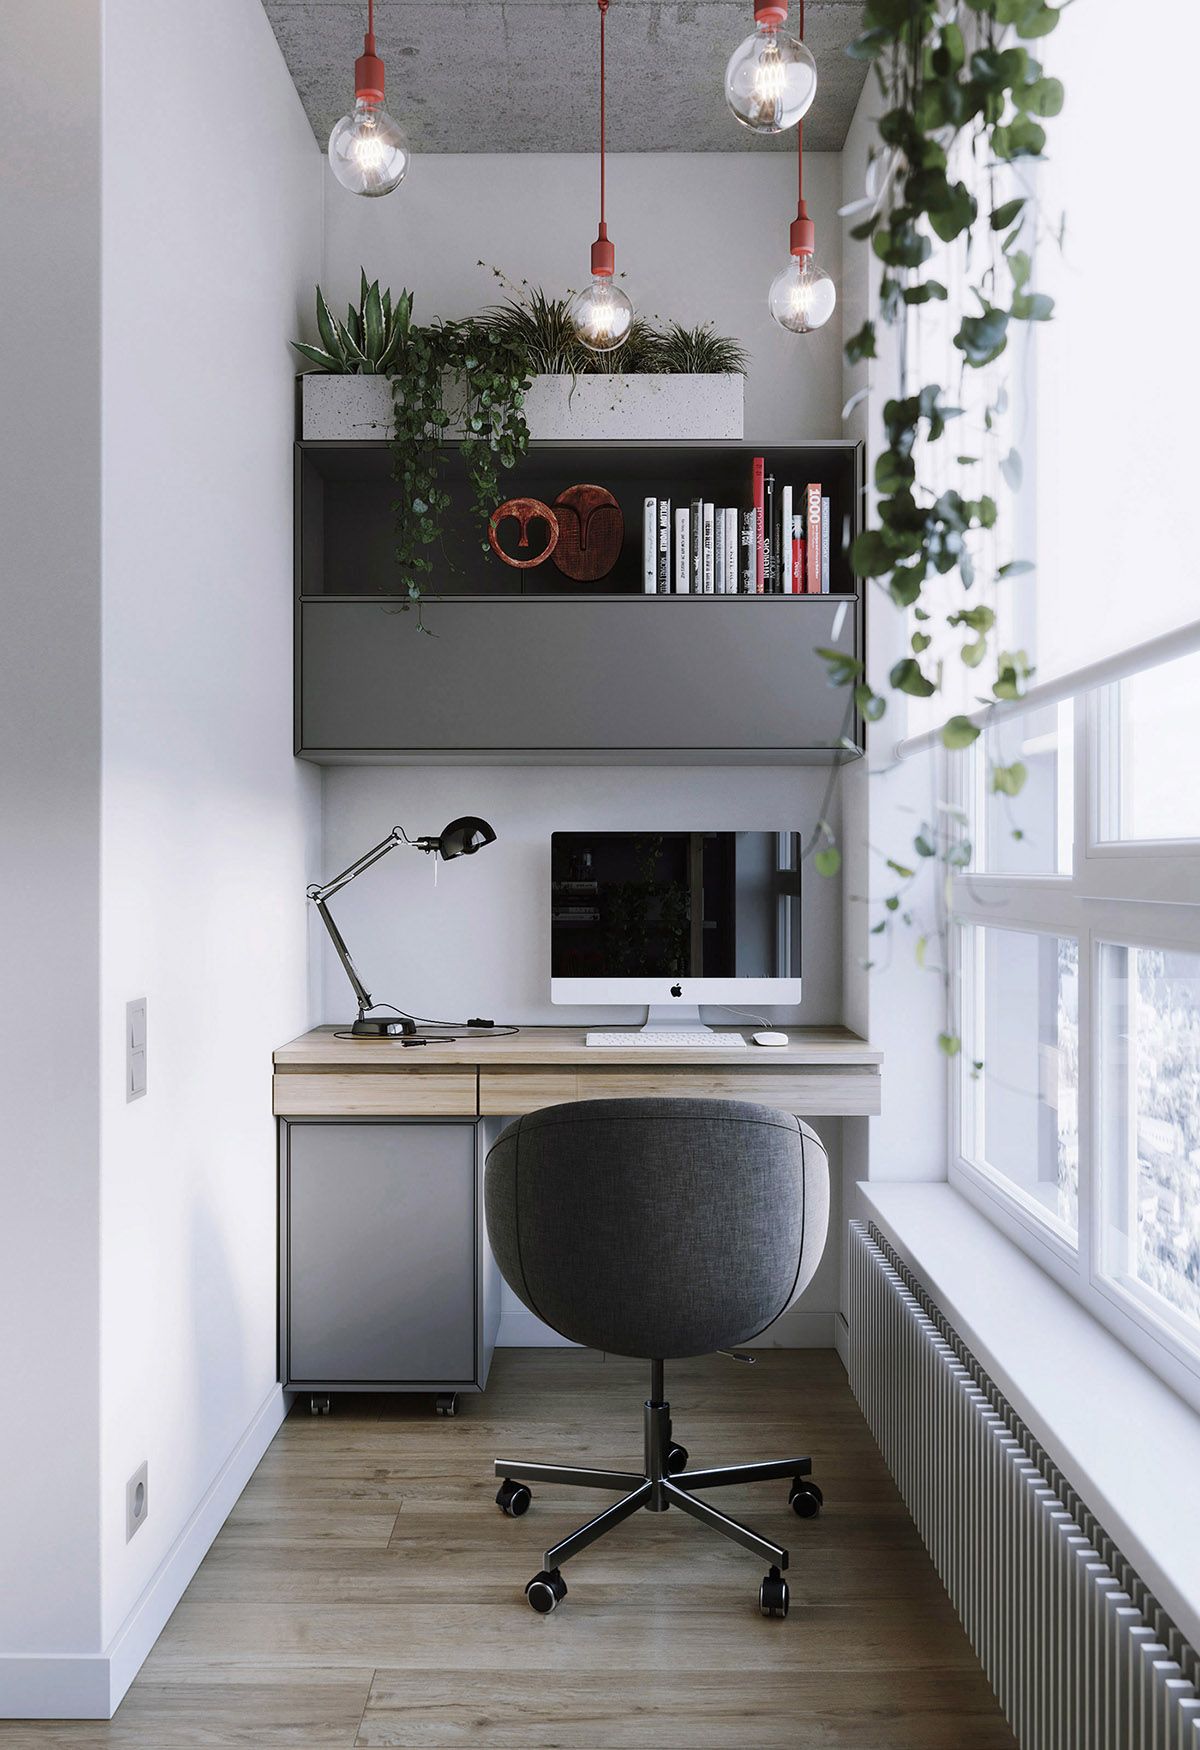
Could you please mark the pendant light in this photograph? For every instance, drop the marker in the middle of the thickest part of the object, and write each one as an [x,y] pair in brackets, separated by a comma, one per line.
[601,315]
[771,78]
[803,296]
[368,152]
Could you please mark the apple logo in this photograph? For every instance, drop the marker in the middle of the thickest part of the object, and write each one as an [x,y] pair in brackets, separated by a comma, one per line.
[676,990]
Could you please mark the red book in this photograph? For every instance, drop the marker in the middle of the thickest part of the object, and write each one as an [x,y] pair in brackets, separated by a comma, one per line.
[812,576]
[760,525]
[797,578]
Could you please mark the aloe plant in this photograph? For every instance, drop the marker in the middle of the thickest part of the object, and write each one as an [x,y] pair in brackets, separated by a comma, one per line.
[368,342]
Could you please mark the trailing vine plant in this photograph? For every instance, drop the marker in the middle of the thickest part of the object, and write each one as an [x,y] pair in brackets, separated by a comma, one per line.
[948,199]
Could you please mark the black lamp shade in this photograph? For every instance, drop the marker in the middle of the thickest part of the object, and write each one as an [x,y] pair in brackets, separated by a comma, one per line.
[465,836]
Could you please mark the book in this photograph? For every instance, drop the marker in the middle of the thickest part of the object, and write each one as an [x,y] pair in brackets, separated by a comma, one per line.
[812,540]
[797,550]
[825,519]
[664,546]
[683,552]
[650,546]
[708,548]
[719,550]
[697,518]
[731,551]
[746,553]
[785,541]
[759,542]
[770,540]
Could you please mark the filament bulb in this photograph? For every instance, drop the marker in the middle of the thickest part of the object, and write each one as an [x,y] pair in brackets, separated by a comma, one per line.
[770,81]
[368,152]
[601,315]
[803,296]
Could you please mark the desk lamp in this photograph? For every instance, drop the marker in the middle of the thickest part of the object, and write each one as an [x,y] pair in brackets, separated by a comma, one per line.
[462,838]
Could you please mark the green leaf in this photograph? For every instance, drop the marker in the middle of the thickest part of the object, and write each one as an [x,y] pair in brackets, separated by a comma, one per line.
[843,668]
[949,1044]
[373,340]
[1033,306]
[925,292]
[901,870]
[974,653]
[923,847]
[959,732]
[326,360]
[1015,568]
[907,677]
[920,642]
[327,327]
[861,345]
[828,860]
[892,902]
[1009,780]
[919,951]
[1012,469]
[870,705]
[981,339]
[1007,212]
[1044,97]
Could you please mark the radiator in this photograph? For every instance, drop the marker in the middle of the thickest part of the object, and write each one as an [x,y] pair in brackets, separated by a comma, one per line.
[1080,1654]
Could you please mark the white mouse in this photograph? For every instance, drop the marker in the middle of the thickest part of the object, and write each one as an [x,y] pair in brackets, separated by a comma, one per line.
[770,1038]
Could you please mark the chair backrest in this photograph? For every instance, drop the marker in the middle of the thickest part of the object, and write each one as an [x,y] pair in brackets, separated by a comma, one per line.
[657,1228]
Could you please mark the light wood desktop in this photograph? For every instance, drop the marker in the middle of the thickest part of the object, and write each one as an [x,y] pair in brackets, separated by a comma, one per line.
[822,1072]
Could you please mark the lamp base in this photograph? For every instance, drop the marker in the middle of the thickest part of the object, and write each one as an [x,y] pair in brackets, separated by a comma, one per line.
[389,1027]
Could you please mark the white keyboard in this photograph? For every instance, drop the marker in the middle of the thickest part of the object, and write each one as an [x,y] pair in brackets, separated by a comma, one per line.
[662,1039]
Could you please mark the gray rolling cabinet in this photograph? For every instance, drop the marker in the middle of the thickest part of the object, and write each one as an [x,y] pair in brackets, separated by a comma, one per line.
[386,1280]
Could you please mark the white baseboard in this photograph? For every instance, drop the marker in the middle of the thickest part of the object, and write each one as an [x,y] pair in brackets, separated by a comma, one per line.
[92,1687]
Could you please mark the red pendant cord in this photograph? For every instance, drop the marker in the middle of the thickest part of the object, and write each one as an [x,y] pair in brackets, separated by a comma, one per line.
[802,238]
[368,69]
[603,260]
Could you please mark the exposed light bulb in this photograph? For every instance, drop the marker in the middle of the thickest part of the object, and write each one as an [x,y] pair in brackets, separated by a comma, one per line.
[803,296]
[368,152]
[770,80]
[601,315]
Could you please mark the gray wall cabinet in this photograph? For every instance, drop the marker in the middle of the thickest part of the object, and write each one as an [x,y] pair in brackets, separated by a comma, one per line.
[386,1279]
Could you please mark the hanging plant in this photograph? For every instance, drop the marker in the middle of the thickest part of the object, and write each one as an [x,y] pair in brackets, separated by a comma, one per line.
[965,101]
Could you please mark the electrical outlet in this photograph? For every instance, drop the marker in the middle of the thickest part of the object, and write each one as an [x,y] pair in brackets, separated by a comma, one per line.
[135,1049]
[137,1499]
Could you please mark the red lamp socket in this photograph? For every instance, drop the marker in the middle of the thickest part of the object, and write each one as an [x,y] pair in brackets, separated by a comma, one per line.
[368,72]
[770,12]
[803,235]
[604,258]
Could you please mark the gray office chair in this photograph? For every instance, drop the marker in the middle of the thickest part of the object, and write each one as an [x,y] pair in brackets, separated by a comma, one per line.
[658,1228]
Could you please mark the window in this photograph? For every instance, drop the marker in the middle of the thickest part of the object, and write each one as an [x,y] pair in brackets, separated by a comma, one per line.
[1032,834]
[1149,755]
[1020,1112]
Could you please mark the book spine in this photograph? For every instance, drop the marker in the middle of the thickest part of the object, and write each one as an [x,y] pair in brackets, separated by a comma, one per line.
[746,581]
[812,541]
[683,553]
[797,552]
[825,520]
[770,540]
[731,551]
[786,582]
[697,547]
[708,549]
[759,533]
[719,550]
[664,546]
[650,546]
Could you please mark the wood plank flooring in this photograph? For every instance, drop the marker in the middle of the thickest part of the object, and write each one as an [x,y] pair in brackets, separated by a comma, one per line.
[366,1590]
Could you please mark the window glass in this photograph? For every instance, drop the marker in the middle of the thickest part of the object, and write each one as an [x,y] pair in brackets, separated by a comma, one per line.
[1150,1126]
[1032,832]
[1150,777]
[1020,1067]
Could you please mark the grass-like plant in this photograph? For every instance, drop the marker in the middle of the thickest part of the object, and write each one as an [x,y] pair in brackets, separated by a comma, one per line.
[679,351]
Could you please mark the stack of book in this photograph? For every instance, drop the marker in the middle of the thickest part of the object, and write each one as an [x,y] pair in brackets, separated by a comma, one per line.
[780,546]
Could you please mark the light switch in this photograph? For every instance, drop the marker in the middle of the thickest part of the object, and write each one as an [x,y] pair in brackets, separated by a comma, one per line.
[135,1049]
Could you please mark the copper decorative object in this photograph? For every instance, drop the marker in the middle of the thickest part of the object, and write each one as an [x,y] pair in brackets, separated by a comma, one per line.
[523,511]
[591,530]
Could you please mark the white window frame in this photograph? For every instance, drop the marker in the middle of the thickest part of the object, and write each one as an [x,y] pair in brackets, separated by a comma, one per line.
[1131,893]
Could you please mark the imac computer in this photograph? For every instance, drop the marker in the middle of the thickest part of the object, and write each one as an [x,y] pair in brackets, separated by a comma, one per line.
[673,920]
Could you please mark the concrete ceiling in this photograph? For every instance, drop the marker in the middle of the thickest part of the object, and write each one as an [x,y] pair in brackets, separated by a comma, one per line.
[520,75]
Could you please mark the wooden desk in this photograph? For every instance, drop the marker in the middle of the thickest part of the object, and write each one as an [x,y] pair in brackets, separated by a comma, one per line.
[386,1278]
[824,1072]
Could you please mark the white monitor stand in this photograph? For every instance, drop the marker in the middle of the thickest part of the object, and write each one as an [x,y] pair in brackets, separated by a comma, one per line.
[678,1017]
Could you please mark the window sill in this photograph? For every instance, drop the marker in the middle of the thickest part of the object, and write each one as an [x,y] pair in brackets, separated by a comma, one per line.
[1126,1441]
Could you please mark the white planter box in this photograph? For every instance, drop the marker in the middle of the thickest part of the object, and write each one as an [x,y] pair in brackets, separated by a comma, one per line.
[622,408]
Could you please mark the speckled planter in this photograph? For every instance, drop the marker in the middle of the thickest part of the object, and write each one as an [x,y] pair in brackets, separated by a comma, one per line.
[621,408]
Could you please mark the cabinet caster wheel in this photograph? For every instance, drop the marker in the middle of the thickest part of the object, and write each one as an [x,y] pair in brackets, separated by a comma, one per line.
[677,1457]
[805,1499]
[447,1404]
[318,1406]
[545,1591]
[513,1499]
[773,1594]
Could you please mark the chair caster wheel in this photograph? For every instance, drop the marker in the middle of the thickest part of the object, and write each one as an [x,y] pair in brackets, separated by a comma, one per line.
[513,1498]
[447,1403]
[677,1457]
[318,1406]
[773,1594]
[545,1591]
[805,1499]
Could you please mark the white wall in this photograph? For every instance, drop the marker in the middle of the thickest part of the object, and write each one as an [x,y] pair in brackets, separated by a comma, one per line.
[209,824]
[700,236]
[49,841]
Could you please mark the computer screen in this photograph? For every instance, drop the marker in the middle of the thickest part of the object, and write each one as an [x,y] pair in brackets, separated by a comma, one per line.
[687,916]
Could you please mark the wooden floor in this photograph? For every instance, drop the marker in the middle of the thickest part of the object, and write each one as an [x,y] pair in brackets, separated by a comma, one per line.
[366,1591]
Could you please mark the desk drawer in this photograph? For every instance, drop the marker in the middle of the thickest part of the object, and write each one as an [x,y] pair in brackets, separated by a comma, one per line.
[828,1093]
[407,1093]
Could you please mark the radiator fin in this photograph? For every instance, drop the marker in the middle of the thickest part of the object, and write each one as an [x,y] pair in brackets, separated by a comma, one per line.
[1080,1654]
